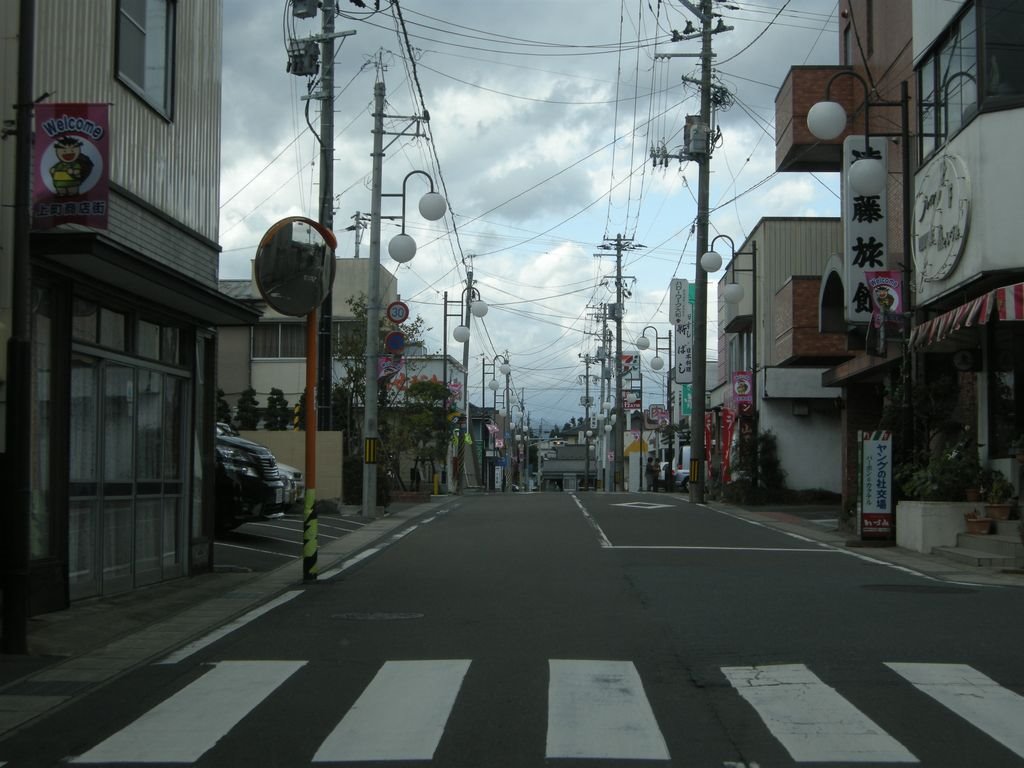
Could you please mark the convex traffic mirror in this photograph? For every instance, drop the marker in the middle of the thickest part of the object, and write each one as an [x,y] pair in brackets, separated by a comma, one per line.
[295,265]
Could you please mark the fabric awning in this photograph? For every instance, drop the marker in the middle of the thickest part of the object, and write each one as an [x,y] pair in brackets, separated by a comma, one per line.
[1007,302]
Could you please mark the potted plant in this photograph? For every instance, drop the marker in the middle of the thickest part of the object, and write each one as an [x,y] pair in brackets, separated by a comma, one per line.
[976,523]
[942,476]
[997,496]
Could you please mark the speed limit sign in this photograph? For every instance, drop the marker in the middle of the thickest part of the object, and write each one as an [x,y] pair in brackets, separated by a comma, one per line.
[398,312]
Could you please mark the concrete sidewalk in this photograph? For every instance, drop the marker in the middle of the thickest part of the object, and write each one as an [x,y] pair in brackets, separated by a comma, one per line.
[95,641]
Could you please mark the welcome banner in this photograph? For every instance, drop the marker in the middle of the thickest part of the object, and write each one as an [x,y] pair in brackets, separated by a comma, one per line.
[71,180]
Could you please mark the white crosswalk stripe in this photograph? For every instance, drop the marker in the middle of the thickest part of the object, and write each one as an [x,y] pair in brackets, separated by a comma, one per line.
[811,720]
[598,709]
[183,727]
[975,697]
[400,716]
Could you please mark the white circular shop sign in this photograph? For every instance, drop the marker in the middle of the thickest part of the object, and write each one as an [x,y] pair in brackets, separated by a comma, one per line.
[942,215]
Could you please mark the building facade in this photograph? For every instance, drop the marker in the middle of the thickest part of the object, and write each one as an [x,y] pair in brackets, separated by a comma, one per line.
[272,355]
[944,86]
[771,354]
[124,313]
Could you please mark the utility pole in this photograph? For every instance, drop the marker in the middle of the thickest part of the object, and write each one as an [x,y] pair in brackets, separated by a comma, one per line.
[325,351]
[699,151]
[619,471]
[374,300]
[587,360]
[371,434]
[18,436]
[620,244]
[461,451]
[700,329]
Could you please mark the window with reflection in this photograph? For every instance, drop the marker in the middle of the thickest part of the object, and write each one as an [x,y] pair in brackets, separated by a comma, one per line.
[976,65]
[145,50]
[1003,22]
[270,340]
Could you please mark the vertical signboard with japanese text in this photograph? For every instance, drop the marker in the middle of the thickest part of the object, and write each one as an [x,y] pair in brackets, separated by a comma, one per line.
[865,226]
[71,165]
[743,392]
[681,297]
[876,485]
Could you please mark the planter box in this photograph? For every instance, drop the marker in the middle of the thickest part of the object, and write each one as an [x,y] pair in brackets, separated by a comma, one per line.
[923,525]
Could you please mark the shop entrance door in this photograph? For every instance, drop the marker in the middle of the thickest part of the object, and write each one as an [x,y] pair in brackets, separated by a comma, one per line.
[125,510]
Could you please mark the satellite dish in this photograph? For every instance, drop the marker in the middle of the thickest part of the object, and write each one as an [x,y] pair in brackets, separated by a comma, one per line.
[295,265]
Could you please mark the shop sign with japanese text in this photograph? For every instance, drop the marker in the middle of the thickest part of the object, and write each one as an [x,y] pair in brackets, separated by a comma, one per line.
[865,229]
[71,160]
[876,485]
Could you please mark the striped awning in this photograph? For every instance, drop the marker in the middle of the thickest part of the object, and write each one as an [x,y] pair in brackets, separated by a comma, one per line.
[1007,303]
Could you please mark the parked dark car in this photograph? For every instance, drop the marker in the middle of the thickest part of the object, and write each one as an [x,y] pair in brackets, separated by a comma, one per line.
[249,483]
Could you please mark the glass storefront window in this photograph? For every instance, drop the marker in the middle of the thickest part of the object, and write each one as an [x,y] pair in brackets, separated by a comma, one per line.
[41,513]
[148,342]
[170,343]
[85,321]
[112,329]
[1005,394]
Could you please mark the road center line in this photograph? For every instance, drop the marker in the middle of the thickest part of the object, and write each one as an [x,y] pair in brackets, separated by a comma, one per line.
[601,538]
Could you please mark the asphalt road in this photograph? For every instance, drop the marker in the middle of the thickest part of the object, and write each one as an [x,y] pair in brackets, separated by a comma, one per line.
[535,629]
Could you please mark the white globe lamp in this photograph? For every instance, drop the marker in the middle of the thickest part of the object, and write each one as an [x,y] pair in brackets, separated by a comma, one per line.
[826,120]
[868,176]
[461,334]
[733,293]
[505,368]
[711,261]
[433,206]
[402,248]
[643,343]
[478,308]
[657,363]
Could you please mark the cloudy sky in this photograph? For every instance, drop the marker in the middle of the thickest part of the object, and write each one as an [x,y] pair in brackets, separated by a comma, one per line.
[542,119]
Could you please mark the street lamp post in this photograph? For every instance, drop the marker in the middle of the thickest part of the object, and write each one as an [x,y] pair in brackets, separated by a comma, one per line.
[402,248]
[505,369]
[657,363]
[733,294]
[827,120]
[470,305]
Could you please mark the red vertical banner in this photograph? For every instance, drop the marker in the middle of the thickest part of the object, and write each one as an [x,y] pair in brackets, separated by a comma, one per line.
[728,426]
[709,431]
[71,180]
